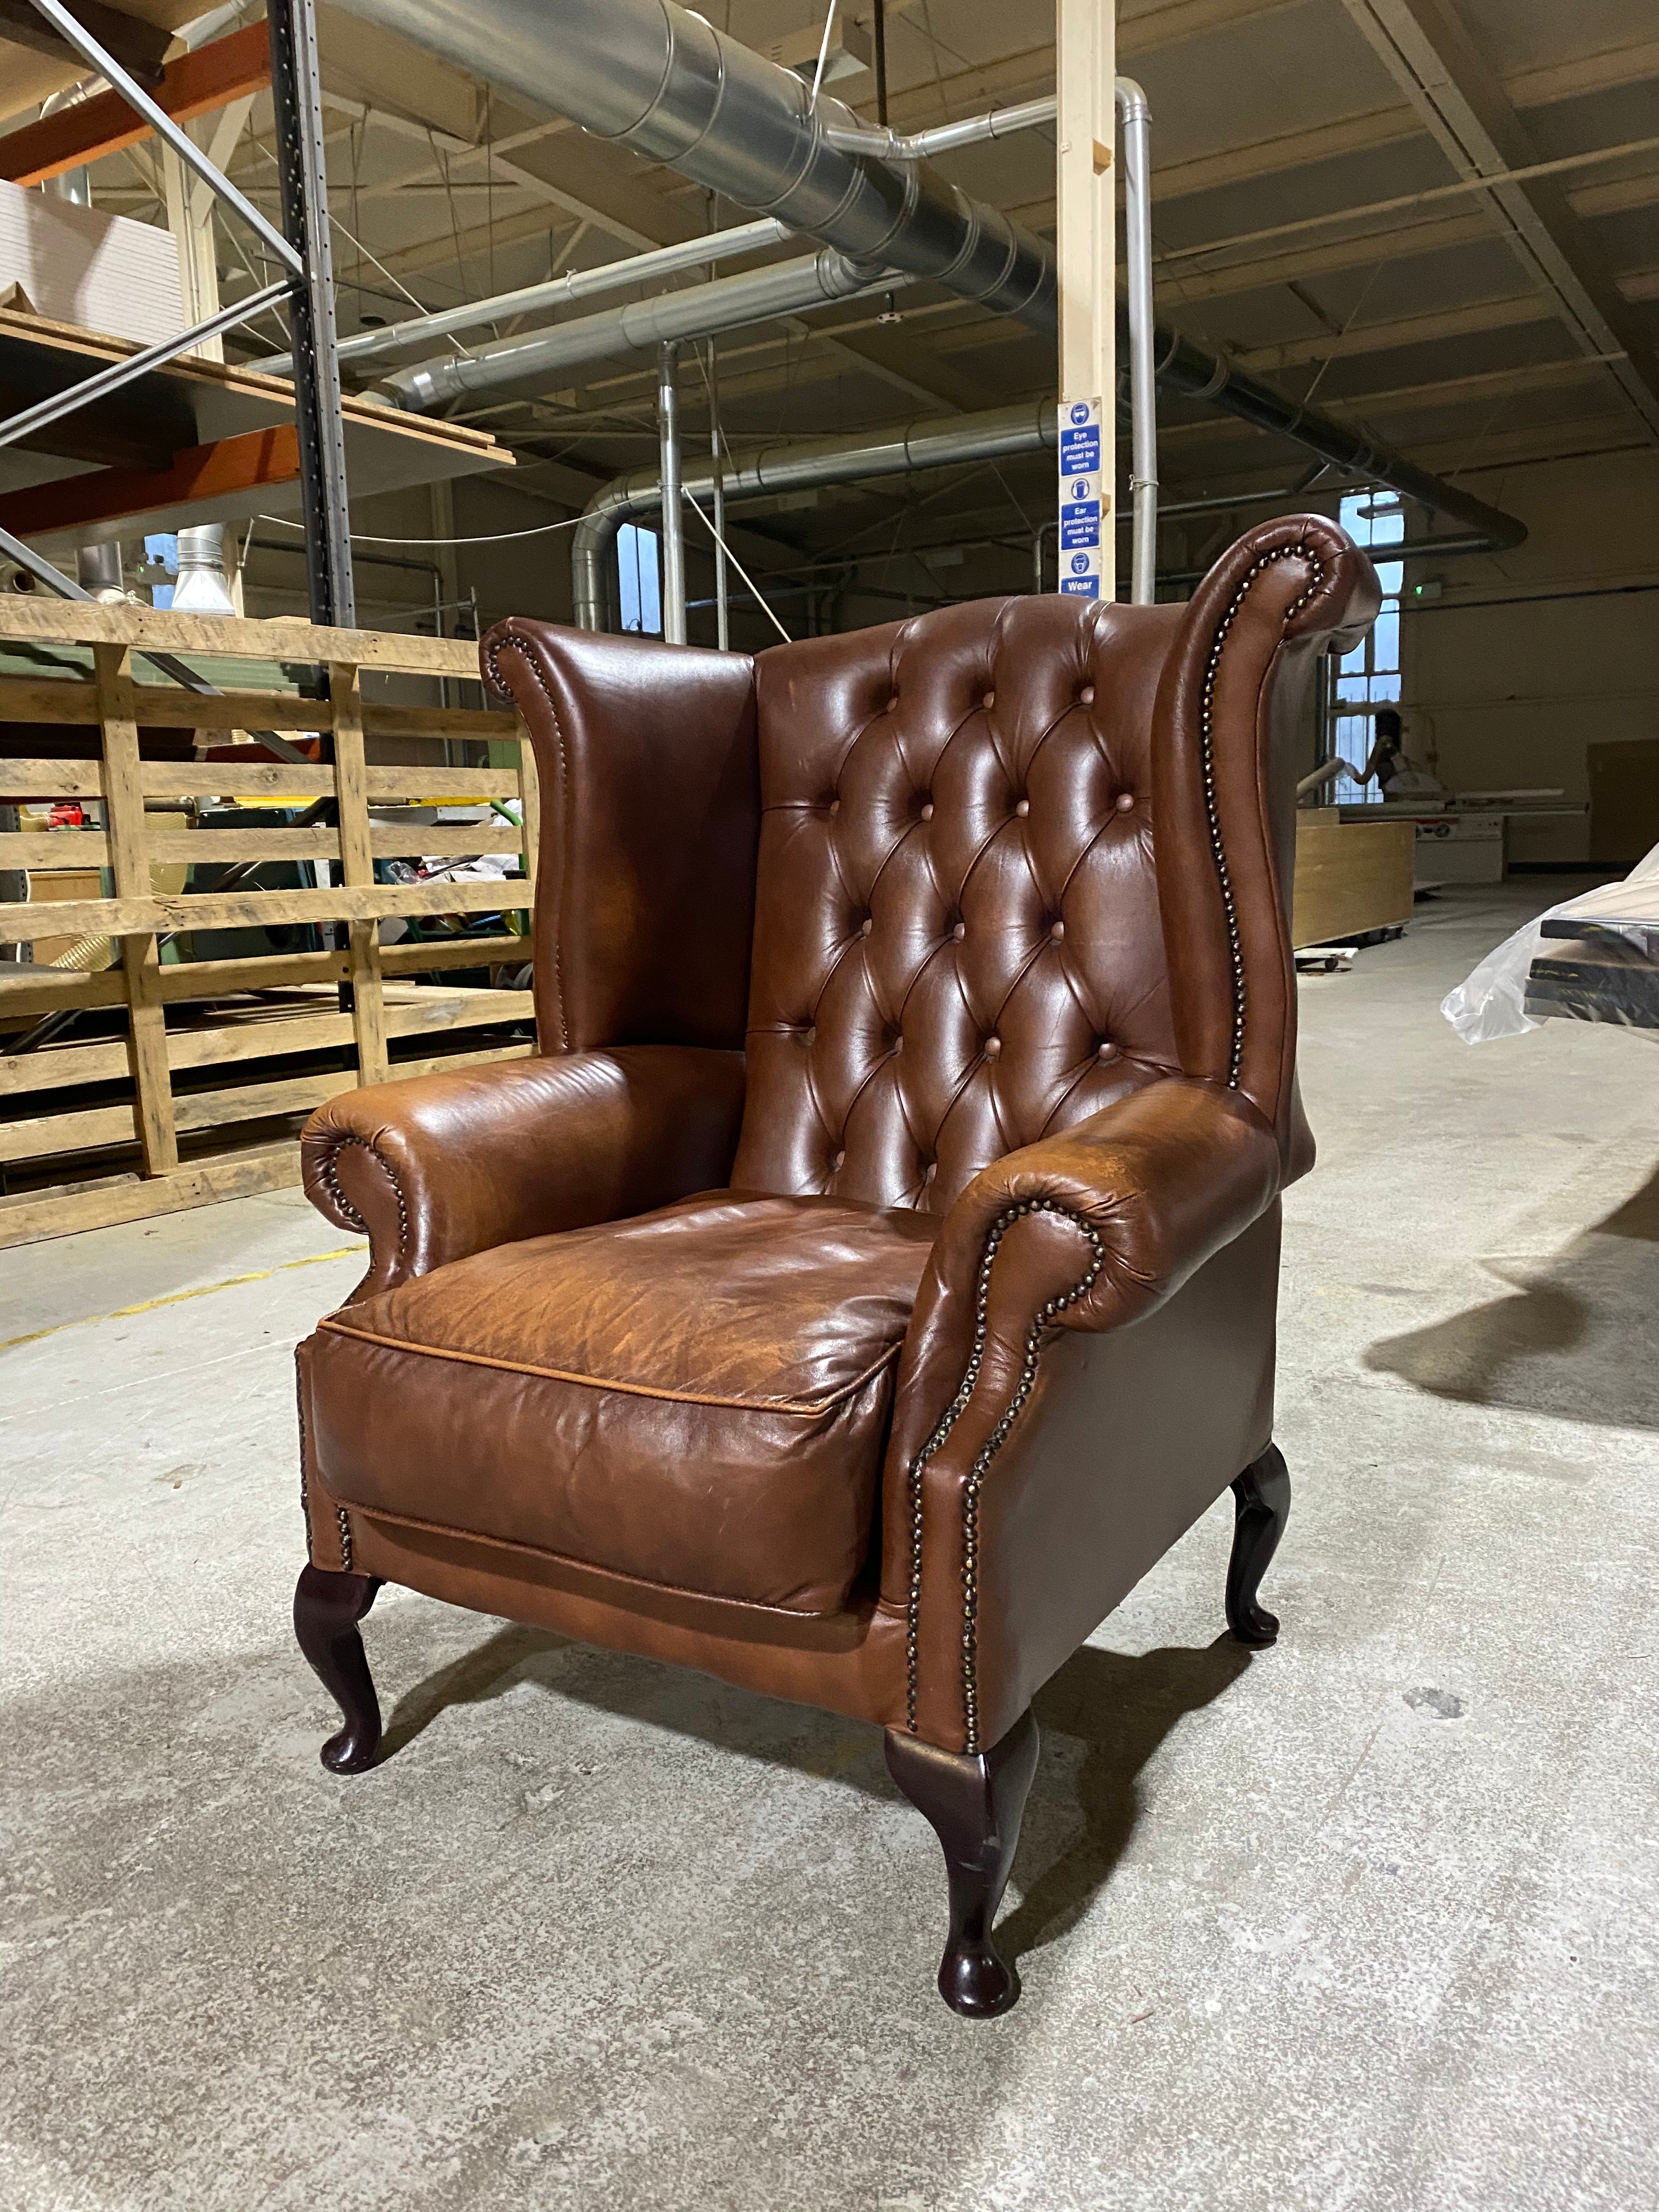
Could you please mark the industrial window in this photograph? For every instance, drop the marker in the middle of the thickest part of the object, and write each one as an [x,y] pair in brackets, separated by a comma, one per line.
[636,574]
[1369,676]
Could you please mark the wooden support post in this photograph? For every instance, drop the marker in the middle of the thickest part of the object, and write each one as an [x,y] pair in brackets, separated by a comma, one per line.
[530,808]
[190,207]
[357,868]
[207,77]
[1086,238]
[124,822]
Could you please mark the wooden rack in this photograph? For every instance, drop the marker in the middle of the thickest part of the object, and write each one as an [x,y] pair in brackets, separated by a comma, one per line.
[304,1017]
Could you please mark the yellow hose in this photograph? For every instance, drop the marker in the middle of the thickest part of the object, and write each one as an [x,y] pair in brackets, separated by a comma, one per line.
[89,955]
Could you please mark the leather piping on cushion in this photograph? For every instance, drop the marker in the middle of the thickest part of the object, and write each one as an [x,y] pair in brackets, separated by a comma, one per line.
[810,1406]
[849,1662]
[781,1612]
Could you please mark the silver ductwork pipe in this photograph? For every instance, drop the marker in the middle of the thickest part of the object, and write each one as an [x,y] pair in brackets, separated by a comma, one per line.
[1135,120]
[757,296]
[556,292]
[1193,369]
[673,516]
[945,139]
[661,80]
[930,442]
[937,441]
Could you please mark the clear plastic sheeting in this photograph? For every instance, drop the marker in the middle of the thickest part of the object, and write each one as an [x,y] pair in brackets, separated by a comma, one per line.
[1492,1001]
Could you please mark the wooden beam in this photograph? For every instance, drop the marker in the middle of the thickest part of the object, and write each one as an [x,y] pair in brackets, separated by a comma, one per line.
[139,916]
[1608,70]
[1463,102]
[74,622]
[1409,330]
[357,871]
[124,815]
[197,83]
[138,46]
[1086,241]
[249,462]
[33,1217]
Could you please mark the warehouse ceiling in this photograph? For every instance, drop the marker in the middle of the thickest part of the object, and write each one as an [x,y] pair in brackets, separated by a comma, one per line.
[1311,220]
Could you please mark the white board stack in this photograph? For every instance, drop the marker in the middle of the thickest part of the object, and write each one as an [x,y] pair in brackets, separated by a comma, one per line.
[75,264]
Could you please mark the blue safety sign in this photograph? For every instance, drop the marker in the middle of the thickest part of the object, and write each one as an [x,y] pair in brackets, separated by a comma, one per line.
[1085,503]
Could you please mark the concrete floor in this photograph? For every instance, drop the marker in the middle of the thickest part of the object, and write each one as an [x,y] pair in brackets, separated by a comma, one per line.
[1365,1922]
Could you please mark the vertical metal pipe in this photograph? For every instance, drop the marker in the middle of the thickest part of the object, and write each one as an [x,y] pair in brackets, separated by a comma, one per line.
[722,601]
[1143,385]
[880,28]
[673,537]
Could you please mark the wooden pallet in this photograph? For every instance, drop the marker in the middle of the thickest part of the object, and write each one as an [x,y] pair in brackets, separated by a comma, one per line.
[229,1032]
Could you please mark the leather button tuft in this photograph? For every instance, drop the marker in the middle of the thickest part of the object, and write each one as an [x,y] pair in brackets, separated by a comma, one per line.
[897,1045]
[808,1033]
[835,806]
[930,1171]
[1106,1049]
[1058,931]
[1085,697]
[839,1161]
[866,927]
[927,810]
[989,699]
[892,702]
[1023,807]
[992,1048]
[959,932]
[1124,802]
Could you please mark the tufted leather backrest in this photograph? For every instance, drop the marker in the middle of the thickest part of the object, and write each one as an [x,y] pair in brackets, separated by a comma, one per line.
[938,837]
[958,943]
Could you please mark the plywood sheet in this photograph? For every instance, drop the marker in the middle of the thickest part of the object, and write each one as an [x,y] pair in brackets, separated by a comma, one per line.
[191,403]
[1351,877]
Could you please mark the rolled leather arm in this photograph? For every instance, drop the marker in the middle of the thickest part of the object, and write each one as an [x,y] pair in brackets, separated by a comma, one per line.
[444,1165]
[1088,1230]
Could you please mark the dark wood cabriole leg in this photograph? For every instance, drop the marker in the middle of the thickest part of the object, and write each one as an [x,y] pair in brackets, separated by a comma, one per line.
[975,1806]
[327,1610]
[1262,1497]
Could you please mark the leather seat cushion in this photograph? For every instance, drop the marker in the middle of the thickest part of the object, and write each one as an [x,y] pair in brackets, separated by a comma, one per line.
[698,1397]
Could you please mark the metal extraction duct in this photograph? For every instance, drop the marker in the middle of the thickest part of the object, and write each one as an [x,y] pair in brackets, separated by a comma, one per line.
[1183,366]
[658,79]
[929,442]
[937,441]
[531,360]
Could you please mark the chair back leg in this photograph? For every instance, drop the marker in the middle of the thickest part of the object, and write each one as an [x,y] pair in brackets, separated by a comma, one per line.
[1261,1508]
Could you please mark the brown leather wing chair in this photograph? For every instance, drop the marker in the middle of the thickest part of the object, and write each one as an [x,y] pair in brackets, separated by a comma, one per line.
[875,1274]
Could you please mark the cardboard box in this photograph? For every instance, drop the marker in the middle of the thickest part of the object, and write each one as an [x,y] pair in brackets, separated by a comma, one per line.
[53,886]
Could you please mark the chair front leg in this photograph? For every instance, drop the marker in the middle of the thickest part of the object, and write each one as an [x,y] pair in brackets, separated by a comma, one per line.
[327,1608]
[1262,1506]
[974,1804]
